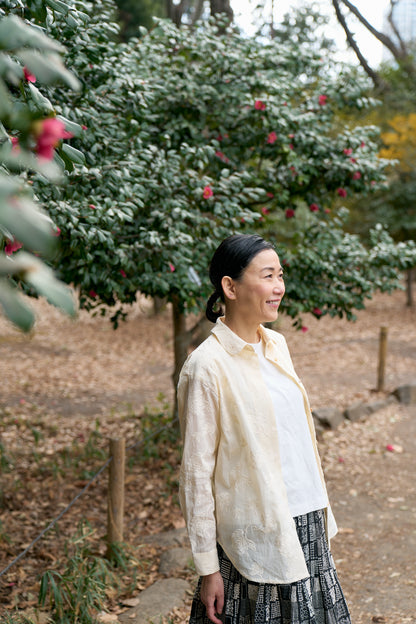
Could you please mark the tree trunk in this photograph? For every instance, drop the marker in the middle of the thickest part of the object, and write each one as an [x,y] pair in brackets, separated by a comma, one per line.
[222,6]
[175,11]
[159,303]
[409,288]
[181,340]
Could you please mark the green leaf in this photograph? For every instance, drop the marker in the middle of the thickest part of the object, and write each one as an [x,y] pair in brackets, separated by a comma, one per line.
[42,103]
[34,272]
[15,34]
[58,6]
[5,101]
[23,219]
[10,70]
[18,161]
[48,68]
[71,126]
[14,307]
[73,154]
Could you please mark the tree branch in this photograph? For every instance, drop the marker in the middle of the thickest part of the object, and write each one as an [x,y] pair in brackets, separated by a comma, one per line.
[395,29]
[382,37]
[375,76]
[401,55]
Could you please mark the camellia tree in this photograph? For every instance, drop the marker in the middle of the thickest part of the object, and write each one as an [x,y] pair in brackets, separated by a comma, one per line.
[191,135]
[29,134]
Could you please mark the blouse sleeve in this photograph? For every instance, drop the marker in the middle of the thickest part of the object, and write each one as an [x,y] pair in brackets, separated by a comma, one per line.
[198,414]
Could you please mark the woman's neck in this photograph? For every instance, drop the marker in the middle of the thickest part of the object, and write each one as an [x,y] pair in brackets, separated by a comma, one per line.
[248,333]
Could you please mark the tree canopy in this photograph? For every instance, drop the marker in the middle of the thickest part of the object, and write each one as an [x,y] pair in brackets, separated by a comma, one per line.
[189,134]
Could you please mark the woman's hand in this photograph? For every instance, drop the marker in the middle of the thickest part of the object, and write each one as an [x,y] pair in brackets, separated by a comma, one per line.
[212,595]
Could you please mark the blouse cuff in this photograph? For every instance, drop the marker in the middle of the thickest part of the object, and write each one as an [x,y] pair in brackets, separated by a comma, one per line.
[206,563]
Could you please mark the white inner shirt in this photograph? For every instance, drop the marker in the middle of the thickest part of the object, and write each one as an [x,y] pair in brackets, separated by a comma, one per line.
[299,465]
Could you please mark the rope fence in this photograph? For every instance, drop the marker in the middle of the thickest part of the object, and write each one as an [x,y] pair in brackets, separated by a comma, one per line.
[115,493]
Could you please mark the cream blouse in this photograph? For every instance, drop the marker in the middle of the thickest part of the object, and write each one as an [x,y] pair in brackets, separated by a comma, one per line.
[231,484]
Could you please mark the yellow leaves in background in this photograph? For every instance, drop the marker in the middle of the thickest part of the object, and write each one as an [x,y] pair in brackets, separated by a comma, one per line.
[400,142]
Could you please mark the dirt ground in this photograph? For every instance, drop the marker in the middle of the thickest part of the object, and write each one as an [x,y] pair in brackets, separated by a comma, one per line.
[70,385]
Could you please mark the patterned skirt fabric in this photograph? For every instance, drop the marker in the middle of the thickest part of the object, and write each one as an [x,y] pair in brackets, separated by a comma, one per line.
[315,600]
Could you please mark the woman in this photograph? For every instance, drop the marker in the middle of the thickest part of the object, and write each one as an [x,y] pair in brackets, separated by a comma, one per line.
[251,486]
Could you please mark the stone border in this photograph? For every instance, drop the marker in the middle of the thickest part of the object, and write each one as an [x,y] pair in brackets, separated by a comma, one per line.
[331,417]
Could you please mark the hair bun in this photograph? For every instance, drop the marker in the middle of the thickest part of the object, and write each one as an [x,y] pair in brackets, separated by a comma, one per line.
[210,313]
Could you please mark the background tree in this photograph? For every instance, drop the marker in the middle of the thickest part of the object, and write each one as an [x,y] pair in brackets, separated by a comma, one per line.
[394,205]
[191,135]
[394,82]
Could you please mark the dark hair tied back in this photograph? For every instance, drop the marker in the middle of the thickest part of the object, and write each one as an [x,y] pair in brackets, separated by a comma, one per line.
[231,258]
[210,313]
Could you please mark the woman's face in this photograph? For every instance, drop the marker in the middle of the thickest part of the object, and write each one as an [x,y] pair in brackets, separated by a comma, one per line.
[258,293]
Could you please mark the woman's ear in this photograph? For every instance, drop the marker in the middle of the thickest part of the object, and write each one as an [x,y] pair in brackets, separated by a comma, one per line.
[228,287]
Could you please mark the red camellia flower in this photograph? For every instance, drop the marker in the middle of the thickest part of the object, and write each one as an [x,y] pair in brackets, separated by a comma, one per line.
[322,100]
[348,151]
[92,206]
[265,210]
[314,208]
[15,144]
[259,105]
[290,213]
[56,231]
[222,157]
[12,246]
[208,192]
[342,192]
[362,144]
[171,267]
[29,77]
[92,294]
[123,273]
[356,175]
[317,311]
[52,130]
[271,195]
[272,137]
[304,329]
[84,127]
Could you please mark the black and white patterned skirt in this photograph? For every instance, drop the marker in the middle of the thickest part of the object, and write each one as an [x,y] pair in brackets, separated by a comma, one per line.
[315,600]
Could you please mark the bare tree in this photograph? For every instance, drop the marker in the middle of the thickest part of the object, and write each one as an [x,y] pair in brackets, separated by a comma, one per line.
[398,48]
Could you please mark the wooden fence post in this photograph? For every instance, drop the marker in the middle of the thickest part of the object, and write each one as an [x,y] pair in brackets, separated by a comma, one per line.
[382,352]
[115,494]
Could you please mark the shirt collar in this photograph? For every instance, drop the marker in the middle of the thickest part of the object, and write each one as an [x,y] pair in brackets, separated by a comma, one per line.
[229,340]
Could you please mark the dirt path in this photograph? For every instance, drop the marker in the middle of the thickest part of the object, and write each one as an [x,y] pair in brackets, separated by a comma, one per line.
[374,502]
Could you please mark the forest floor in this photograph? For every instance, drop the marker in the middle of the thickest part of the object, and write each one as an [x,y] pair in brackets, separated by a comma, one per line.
[71,385]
